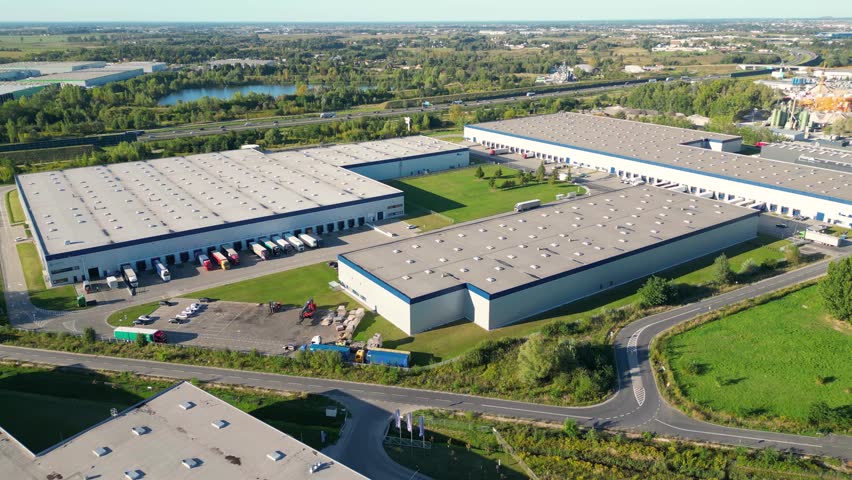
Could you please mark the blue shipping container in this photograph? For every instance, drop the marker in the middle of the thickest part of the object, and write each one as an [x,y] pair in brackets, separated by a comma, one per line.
[394,358]
[344,351]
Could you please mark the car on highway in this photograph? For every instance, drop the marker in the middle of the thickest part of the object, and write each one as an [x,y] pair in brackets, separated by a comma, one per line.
[150,136]
[222,127]
[275,122]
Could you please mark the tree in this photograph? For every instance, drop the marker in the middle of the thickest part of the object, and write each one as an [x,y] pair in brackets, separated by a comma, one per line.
[536,360]
[551,180]
[141,341]
[835,291]
[273,137]
[492,182]
[499,172]
[539,173]
[479,173]
[722,273]
[792,255]
[89,335]
[655,292]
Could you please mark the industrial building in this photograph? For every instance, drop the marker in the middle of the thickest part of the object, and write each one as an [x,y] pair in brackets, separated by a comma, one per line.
[89,221]
[147,67]
[12,90]
[49,68]
[501,270]
[242,62]
[800,153]
[694,161]
[181,433]
[90,77]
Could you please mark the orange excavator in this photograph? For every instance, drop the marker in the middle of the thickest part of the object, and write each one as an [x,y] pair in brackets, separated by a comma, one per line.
[308,309]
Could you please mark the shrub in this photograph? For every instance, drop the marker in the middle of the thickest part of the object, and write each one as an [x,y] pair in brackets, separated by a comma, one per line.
[749,267]
[792,255]
[479,173]
[89,335]
[834,289]
[722,274]
[570,428]
[536,360]
[655,292]
[508,184]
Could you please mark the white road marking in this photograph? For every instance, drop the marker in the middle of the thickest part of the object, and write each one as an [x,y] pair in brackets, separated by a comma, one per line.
[738,436]
[537,411]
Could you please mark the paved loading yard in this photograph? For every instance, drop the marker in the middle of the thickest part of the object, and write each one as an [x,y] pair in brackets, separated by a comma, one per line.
[241,326]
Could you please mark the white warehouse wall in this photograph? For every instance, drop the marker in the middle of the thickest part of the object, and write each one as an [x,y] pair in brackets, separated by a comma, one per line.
[832,212]
[414,166]
[531,301]
[374,296]
[109,259]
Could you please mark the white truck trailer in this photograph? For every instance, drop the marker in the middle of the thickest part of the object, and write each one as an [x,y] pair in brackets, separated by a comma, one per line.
[285,246]
[162,271]
[297,244]
[129,275]
[309,240]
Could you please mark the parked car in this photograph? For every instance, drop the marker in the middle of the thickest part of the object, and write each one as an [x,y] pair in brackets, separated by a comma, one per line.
[194,307]
[165,303]
[289,347]
[204,300]
[176,320]
[182,317]
[144,318]
[20,239]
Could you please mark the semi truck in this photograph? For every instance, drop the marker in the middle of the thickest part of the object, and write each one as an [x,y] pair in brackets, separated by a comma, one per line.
[205,262]
[259,250]
[270,245]
[498,151]
[232,254]
[393,358]
[129,276]
[285,247]
[309,240]
[162,271]
[528,205]
[129,334]
[297,244]
[222,260]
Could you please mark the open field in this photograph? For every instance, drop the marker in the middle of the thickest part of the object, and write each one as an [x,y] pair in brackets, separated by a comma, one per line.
[456,338]
[465,447]
[457,194]
[58,298]
[16,47]
[35,404]
[769,362]
[14,207]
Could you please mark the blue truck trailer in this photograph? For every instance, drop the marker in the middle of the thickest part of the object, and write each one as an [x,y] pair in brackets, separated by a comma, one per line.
[393,358]
[345,352]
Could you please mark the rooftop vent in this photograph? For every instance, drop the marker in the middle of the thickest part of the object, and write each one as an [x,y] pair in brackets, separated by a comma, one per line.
[406,277]
[275,456]
[134,474]
[101,451]
[190,463]
[491,279]
[187,405]
[220,424]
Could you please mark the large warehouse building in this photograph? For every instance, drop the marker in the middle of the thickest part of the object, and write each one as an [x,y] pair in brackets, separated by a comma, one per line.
[89,221]
[502,270]
[698,162]
[181,433]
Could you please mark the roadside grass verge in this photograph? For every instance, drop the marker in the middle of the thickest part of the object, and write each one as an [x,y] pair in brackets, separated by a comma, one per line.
[35,401]
[460,196]
[763,363]
[14,208]
[4,313]
[58,298]
[465,447]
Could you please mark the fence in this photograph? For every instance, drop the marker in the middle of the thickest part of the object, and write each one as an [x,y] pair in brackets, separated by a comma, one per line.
[511,451]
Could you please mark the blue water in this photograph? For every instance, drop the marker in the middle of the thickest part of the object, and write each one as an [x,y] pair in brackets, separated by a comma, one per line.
[224,93]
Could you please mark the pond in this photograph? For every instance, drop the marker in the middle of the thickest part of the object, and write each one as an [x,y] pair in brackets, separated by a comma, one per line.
[224,93]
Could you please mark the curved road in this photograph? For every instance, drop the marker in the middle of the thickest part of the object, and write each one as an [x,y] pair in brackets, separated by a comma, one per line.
[637,404]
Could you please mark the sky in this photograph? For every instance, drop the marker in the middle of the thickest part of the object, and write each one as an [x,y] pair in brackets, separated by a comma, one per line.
[406,10]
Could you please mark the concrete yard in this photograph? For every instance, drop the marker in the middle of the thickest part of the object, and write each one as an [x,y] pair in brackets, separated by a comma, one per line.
[240,326]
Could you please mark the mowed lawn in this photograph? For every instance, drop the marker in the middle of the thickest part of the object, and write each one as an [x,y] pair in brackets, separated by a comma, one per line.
[14,208]
[776,359]
[457,194]
[57,298]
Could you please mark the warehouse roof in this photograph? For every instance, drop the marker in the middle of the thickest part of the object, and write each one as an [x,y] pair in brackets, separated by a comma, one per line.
[509,251]
[676,148]
[89,207]
[824,157]
[181,433]
[56,66]
[12,87]
[82,75]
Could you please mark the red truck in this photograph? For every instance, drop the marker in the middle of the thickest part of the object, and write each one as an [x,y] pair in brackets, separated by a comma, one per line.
[221,260]
[205,262]
[233,256]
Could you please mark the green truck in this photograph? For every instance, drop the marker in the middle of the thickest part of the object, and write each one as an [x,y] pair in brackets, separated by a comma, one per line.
[129,334]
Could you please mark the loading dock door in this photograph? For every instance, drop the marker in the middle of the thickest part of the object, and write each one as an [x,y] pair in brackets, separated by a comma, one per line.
[94,274]
[819,217]
[611,169]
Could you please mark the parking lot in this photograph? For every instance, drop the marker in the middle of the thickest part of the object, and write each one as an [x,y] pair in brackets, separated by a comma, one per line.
[239,326]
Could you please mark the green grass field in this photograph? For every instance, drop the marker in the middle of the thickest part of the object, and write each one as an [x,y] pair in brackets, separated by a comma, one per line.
[58,298]
[17,46]
[773,360]
[35,404]
[461,197]
[14,208]
[117,319]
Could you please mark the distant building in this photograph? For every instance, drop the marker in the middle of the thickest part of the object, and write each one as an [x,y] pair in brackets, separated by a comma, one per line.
[48,68]
[183,432]
[147,67]
[634,69]
[244,62]
[90,77]
[14,90]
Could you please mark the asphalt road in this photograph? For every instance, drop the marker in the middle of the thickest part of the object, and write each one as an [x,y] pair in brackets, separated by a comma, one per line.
[636,406]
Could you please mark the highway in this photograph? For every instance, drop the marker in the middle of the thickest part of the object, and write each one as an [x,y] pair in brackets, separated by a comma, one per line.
[281,122]
[636,405]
